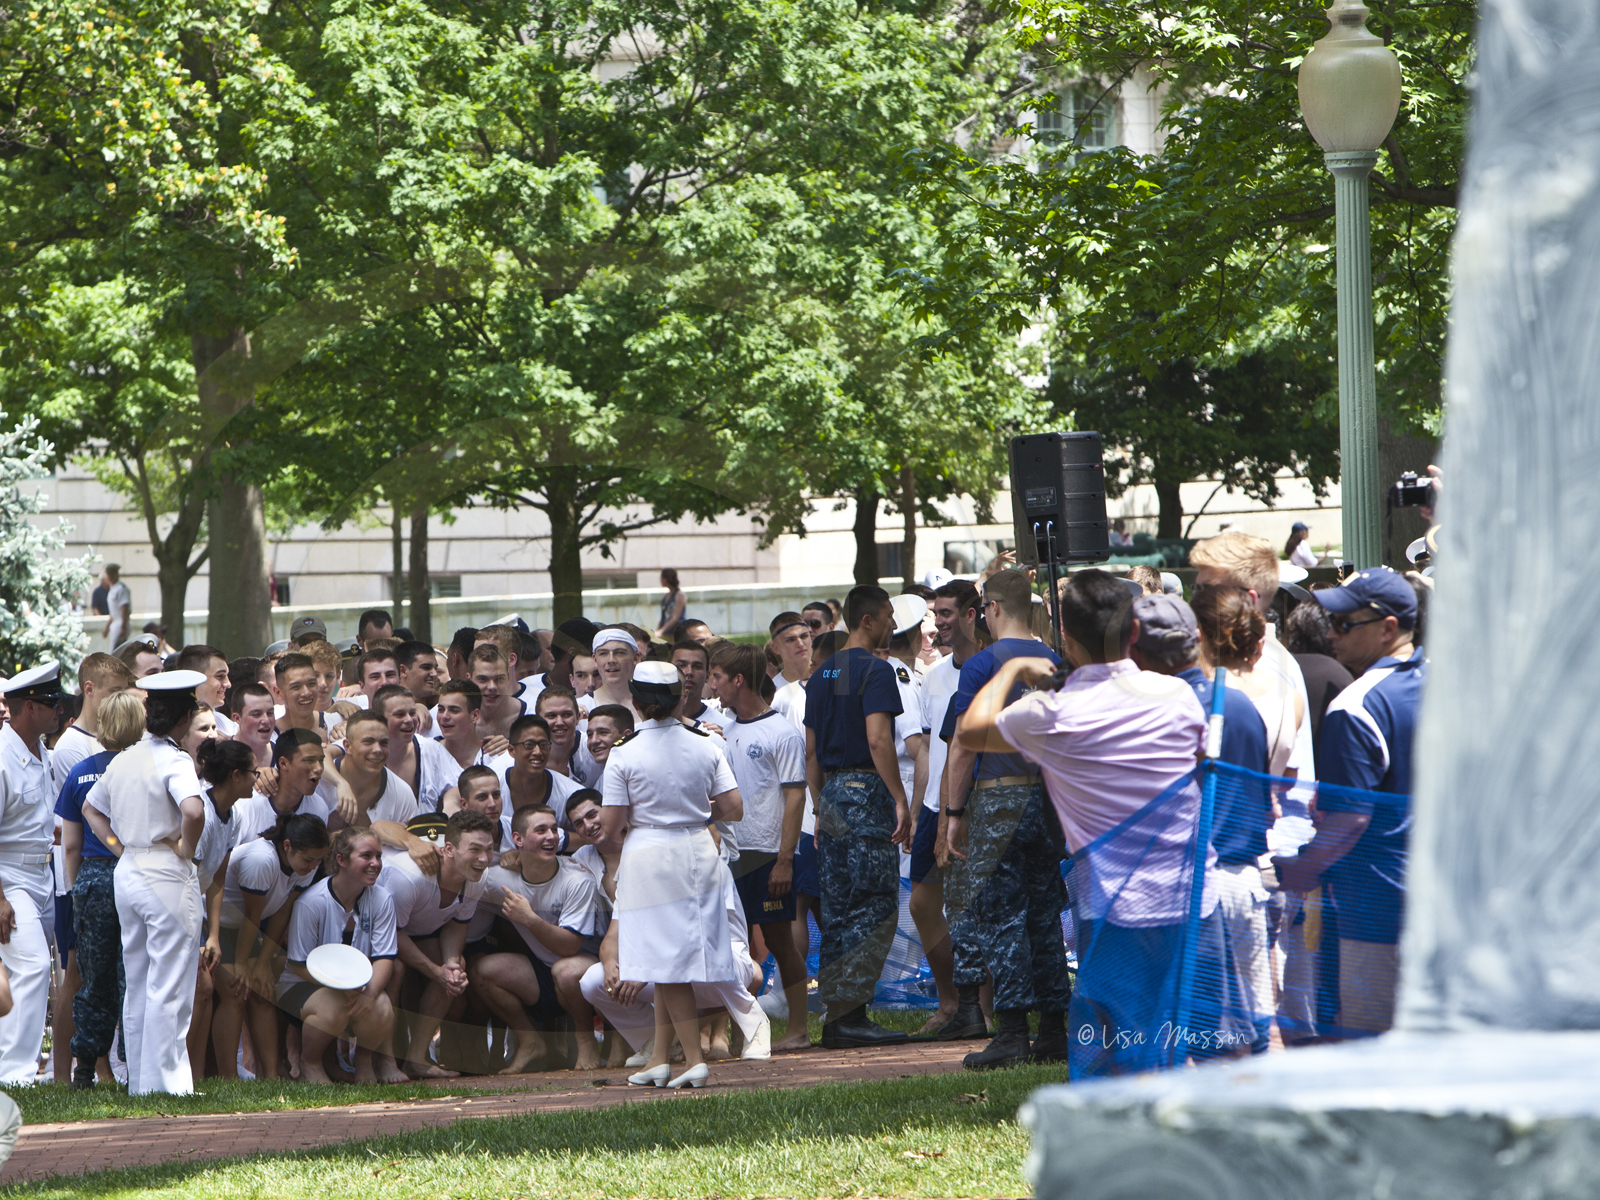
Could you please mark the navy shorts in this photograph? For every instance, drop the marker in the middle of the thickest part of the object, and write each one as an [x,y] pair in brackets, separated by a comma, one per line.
[760,907]
[294,999]
[229,940]
[806,880]
[503,938]
[66,939]
[923,862]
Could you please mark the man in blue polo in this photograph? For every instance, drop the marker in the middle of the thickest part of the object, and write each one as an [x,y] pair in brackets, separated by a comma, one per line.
[1367,734]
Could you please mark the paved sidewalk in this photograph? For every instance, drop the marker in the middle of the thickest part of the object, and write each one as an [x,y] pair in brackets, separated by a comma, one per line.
[75,1148]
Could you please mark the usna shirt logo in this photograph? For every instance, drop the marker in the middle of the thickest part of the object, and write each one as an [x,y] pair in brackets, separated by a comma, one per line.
[754,751]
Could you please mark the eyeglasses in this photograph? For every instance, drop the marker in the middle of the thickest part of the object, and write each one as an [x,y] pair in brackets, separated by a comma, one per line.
[533,744]
[1343,624]
[815,624]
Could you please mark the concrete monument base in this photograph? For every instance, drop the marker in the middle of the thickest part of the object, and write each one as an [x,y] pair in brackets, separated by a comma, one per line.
[1413,1116]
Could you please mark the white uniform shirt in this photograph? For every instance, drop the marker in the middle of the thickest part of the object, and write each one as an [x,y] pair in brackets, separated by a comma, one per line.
[320,920]
[567,899]
[909,723]
[667,773]
[589,858]
[255,868]
[939,686]
[583,767]
[790,700]
[713,714]
[141,790]
[117,599]
[216,839]
[27,818]
[71,748]
[437,772]
[417,908]
[396,801]
[557,791]
[227,727]
[767,754]
[256,813]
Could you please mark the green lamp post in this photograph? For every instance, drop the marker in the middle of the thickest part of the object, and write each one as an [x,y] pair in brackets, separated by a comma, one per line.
[1349,95]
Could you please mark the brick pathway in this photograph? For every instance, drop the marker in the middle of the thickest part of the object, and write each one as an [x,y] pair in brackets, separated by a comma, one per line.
[74,1148]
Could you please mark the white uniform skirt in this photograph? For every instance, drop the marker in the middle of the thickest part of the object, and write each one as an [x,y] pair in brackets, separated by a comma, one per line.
[674,919]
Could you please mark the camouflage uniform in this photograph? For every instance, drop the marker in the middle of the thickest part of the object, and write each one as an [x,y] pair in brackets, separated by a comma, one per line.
[965,945]
[1016,898]
[98,1005]
[859,870]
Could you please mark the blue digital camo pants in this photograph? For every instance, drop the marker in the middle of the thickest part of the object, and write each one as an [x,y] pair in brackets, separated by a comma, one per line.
[859,870]
[1016,898]
[98,1005]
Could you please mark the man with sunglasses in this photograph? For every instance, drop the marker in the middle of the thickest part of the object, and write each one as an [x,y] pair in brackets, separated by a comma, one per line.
[27,891]
[1360,846]
[818,617]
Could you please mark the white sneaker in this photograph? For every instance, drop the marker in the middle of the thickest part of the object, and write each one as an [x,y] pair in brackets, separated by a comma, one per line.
[759,1046]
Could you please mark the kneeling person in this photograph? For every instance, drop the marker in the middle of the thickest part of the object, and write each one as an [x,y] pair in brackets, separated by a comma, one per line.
[555,907]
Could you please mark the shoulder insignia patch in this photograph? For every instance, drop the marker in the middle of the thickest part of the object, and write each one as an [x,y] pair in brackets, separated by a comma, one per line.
[625,738]
[903,675]
[695,727]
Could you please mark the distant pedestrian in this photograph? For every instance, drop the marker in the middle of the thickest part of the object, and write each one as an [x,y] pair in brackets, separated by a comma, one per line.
[1298,549]
[673,604]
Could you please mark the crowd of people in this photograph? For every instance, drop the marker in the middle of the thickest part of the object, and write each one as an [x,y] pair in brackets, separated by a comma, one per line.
[580,846]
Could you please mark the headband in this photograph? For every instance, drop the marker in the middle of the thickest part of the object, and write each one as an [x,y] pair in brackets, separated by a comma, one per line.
[781,628]
[614,635]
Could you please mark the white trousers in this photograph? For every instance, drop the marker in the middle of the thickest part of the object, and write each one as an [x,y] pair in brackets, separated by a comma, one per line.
[31,892]
[637,1021]
[158,903]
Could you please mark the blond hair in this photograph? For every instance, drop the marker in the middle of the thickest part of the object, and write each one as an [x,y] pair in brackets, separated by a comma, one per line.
[121,720]
[1249,562]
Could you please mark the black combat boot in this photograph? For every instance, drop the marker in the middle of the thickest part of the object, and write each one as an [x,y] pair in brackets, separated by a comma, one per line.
[1009,1047]
[968,1021]
[854,1031]
[82,1077]
[1051,1043]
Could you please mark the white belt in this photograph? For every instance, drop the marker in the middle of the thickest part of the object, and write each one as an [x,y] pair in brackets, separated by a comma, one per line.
[27,860]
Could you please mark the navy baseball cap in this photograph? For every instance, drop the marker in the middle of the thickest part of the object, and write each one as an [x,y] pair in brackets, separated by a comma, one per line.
[1378,588]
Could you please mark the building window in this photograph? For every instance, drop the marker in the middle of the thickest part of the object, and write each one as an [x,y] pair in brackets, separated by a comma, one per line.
[444,587]
[609,580]
[1086,112]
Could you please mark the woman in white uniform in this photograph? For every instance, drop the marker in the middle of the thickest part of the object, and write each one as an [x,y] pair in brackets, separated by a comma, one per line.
[664,785]
[149,799]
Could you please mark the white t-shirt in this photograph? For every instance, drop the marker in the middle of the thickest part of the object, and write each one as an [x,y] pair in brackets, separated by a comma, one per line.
[71,748]
[667,773]
[227,727]
[117,599]
[437,772]
[417,908]
[396,801]
[216,839]
[320,920]
[589,858]
[767,754]
[256,814]
[254,868]
[559,788]
[790,700]
[713,714]
[567,899]
[938,688]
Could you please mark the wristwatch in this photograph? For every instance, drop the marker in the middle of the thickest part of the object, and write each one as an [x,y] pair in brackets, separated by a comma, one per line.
[956,812]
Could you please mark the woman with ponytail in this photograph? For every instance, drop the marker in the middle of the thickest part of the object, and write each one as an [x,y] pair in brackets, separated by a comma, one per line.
[263,878]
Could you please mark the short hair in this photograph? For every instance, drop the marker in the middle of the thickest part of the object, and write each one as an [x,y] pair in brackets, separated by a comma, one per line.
[121,721]
[366,716]
[374,616]
[113,570]
[863,600]
[385,694]
[240,692]
[1097,613]
[488,653]
[620,714]
[525,722]
[221,758]
[290,741]
[828,643]
[576,635]
[1013,590]
[103,670]
[637,633]
[1250,562]
[463,640]
[195,657]
[962,591]
[782,620]
[129,654]
[466,821]
[529,648]
[584,796]
[407,653]
[555,691]
[1307,630]
[292,662]
[466,688]
[693,648]
[921,590]
[507,637]
[681,629]
[525,814]
[822,607]
[464,781]
[373,656]
[733,659]
[245,668]
[1146,577]
[324,656]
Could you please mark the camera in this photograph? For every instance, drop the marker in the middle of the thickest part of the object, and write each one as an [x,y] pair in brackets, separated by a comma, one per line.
[1408,493]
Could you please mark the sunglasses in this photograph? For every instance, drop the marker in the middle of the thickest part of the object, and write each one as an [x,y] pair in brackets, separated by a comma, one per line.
[1344,624]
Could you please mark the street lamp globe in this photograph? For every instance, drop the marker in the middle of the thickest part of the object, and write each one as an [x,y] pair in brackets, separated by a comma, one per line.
[1349,83]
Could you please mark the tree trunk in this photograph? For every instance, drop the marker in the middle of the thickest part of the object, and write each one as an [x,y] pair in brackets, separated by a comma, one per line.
[421,614]
[1169,498]
[397,560]
[566,562]
[174,582]
[239,620]
[908,508]
[866,530]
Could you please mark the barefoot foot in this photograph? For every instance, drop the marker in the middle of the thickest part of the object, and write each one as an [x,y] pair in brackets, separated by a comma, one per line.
[530,1046]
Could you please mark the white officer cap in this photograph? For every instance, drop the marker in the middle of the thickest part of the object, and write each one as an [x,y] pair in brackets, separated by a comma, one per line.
[908,612]
[656,674]
[37,683]
[172,681]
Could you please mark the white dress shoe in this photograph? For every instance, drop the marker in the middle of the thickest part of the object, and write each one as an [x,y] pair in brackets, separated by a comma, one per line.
[694,1077]
[653,1077]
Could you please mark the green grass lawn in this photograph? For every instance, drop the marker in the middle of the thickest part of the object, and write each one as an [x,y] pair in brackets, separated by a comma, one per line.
[953,1135]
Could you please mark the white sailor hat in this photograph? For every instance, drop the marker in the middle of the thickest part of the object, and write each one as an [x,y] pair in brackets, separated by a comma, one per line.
[656,674]
[172,681]
[37,683]
[908,612]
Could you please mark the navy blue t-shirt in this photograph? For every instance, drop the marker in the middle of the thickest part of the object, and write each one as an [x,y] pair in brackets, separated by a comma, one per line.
[69,805]
[1244,807]
[976,672]
[839,695]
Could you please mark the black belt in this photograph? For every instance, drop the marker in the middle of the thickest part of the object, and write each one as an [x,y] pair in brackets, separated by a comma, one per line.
[869,768]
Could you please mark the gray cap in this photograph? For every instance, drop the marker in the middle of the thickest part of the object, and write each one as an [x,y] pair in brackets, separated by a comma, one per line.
[1166,625]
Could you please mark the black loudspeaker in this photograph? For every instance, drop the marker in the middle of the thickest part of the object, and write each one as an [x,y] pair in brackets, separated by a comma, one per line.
[1058,493]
